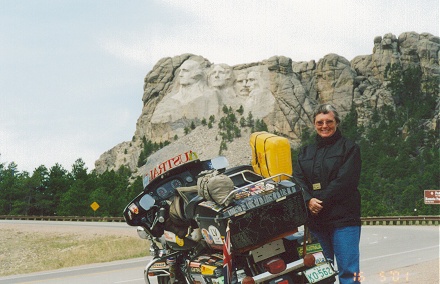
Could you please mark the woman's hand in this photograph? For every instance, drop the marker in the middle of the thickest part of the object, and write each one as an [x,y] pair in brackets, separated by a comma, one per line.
[315,206]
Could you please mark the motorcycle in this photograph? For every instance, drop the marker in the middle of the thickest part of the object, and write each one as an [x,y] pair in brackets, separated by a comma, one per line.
[254,239]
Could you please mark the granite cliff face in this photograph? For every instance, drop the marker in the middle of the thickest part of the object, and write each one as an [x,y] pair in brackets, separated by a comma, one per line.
[183,90]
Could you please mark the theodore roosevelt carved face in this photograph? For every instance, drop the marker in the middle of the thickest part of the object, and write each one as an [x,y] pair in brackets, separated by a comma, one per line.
[241,84]
[252,81]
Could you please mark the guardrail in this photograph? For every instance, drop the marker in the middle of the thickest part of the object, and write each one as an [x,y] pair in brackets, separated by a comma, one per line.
[388,220]
[402,220]
[63,218]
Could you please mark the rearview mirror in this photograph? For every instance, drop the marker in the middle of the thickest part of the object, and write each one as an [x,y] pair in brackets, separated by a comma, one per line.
[142,233]
[146,202]
[219,162]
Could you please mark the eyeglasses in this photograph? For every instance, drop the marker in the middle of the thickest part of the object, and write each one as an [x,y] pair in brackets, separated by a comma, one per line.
[322,122]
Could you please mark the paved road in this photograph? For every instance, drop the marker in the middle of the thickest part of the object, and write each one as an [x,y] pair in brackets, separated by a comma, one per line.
[389,254]
[118,272]
[396,254]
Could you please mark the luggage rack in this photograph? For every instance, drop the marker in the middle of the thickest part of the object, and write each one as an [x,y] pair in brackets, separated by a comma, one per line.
[267,208]
[253,187]
[245,177]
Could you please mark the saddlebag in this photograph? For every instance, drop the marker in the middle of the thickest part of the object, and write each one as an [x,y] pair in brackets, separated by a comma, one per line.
[261,212]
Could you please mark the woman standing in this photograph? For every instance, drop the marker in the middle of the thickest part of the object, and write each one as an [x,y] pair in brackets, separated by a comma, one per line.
[329,172]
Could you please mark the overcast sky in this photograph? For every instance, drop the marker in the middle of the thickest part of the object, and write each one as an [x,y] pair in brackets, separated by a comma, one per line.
[71,72]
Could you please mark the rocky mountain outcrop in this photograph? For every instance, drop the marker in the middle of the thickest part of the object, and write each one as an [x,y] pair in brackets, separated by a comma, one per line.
[182,91]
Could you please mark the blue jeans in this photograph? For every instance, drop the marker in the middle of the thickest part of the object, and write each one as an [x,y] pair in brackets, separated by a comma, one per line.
[342,243]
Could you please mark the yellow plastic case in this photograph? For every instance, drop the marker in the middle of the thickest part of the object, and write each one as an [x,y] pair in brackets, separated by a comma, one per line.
[270,154]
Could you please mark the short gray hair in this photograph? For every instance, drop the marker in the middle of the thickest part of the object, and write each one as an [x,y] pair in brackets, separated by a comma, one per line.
[326,108]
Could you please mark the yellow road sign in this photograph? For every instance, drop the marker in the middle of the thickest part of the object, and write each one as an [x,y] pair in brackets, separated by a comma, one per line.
[94,206]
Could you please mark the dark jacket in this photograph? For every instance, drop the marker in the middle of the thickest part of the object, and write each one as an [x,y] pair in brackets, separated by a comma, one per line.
[335,164]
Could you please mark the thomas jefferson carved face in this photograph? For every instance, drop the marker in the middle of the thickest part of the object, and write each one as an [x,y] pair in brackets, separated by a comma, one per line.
[190,72]
[219,76]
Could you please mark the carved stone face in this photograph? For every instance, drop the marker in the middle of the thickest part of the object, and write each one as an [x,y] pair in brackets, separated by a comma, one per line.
[190,72]
[252,81]
[218,76]
[241,86]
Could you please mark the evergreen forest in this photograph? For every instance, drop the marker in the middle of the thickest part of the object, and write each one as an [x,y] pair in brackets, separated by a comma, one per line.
[400,159]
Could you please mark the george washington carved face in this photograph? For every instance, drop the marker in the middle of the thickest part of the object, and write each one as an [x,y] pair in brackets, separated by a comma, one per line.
[190,72]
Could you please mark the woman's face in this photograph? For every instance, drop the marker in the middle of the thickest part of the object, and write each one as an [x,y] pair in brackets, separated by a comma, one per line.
[325,124]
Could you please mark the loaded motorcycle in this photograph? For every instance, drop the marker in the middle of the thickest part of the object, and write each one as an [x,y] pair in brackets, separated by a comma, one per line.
[252,239]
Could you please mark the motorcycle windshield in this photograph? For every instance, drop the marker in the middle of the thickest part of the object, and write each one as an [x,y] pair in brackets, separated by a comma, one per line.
[161,162]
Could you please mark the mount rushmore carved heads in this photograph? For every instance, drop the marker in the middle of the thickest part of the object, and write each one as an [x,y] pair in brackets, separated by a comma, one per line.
[202,90]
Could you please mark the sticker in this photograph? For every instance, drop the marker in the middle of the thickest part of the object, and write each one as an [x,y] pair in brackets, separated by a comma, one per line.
[207,236]
[168,165]
[270,186]
[257,200]
[212,205]
[319,258]
[129,215]
[169,236]
[133,208]
[215,234]
[179,242]
[159,265]
[207,269]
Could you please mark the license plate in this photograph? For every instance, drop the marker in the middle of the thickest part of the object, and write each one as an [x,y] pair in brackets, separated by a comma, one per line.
[319,272]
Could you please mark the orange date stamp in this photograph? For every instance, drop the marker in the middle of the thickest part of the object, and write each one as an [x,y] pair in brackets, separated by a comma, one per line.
[391,276]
